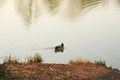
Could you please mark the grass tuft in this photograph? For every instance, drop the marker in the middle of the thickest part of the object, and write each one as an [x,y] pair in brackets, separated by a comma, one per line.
[100,62]
[36,58]
[10,59]
[78,60]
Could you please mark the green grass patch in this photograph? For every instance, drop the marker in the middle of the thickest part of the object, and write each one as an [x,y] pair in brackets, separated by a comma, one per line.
[36,58]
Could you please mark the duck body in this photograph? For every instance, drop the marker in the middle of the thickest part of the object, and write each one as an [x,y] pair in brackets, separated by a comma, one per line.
[59,48]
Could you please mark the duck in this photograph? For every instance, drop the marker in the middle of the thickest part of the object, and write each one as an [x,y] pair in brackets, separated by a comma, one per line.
[59,48]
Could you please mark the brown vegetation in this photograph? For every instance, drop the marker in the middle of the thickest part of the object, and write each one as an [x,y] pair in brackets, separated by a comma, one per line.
[44,71]
[77,69]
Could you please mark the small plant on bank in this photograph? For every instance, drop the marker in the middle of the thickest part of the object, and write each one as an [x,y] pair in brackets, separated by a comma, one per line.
[100,62]
[36,58]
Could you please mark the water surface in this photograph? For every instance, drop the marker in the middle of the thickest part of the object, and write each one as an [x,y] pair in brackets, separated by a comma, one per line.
[89,29]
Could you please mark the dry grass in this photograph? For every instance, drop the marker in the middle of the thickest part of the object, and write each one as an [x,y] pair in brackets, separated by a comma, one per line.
[10,59]
[78,60]
[36,58]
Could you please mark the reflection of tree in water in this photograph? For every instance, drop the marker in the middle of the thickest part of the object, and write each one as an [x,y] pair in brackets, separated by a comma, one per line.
[28,10]
[52,5]
[2,2]
[118,2]
[75,7]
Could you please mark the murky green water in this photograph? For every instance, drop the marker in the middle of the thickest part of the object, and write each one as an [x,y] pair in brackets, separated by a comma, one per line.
[89,29]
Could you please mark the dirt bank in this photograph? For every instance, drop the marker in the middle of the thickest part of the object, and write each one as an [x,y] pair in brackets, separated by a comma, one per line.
[44,71]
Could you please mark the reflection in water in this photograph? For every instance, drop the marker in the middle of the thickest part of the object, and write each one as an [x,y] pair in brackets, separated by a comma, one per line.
[118,2]
[24,8]
[52,5]
[90,3]
[76,7]
[30,9]
[2,2]
[98,31]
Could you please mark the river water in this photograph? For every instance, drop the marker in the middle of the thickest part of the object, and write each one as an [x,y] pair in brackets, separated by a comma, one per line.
[89,29]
